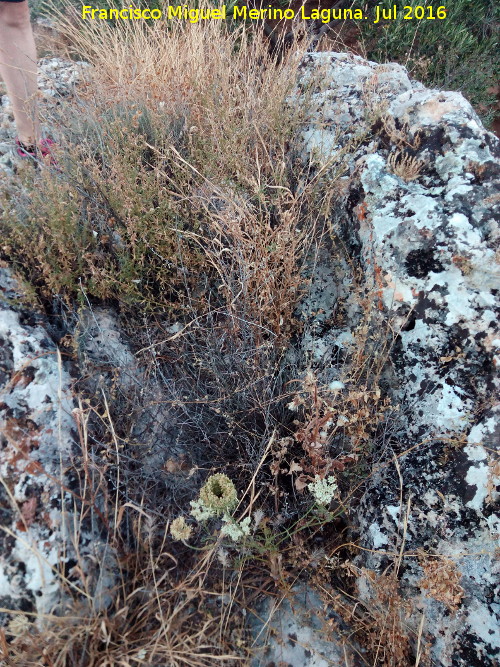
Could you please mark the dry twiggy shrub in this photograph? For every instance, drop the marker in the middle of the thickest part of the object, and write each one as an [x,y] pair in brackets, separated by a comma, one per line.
[177,195]
[147,149]
[136,216]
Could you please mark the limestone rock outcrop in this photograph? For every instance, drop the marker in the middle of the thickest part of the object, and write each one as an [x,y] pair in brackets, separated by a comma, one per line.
[42,523]
[294,631]
[417,212]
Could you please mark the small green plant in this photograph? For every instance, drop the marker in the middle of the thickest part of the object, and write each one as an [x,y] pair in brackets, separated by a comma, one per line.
[218,498]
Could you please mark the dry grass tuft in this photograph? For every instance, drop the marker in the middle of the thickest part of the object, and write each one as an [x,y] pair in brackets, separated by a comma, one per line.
[174,153]
[405,166]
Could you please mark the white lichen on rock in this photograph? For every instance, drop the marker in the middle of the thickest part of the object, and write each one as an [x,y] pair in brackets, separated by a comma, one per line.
[427,246]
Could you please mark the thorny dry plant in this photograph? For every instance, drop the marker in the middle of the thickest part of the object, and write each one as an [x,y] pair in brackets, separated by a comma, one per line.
[330,412]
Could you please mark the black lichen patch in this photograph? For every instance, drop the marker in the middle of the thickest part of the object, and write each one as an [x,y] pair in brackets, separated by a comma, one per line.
[470,652]
[419,263]
[6,361]
[433,140]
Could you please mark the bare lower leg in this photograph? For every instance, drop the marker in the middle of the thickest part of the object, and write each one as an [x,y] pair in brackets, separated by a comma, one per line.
[18,67]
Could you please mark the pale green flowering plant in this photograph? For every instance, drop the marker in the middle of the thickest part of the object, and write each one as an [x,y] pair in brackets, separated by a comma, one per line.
[235,530]
[219,497]
[219,494]
[180,530]
[323,490]
[200,512]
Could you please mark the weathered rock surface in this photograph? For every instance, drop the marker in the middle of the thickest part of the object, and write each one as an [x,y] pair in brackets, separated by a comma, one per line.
[418,214]
[107,360]
[40,524]
[294,632]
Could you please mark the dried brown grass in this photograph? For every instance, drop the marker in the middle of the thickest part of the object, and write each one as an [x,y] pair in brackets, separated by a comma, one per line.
[165,120]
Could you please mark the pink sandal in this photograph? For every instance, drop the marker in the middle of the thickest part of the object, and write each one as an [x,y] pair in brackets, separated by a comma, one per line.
[43,150]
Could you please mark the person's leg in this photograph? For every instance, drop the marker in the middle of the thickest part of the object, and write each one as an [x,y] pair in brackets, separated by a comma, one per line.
[18,67]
